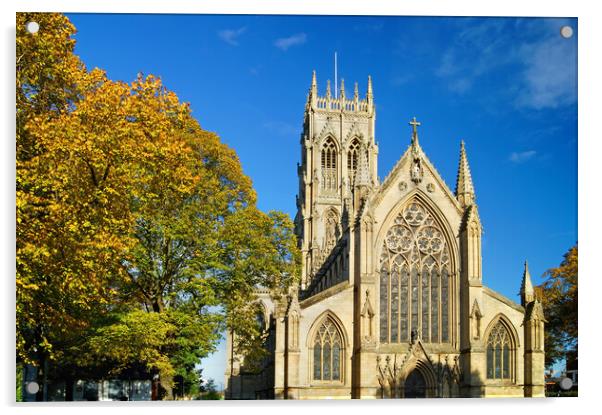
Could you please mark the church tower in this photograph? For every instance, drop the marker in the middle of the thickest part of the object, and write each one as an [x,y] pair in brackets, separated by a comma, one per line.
[338,133]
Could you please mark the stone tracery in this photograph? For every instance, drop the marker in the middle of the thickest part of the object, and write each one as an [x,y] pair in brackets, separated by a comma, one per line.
[327,351]
[499,353]
[329,166]
[414,280]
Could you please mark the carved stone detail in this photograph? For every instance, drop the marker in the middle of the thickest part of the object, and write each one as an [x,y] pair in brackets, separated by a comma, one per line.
[416,171]
[367,319]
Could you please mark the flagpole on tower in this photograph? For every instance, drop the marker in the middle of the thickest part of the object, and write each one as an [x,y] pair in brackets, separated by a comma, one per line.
[336,84]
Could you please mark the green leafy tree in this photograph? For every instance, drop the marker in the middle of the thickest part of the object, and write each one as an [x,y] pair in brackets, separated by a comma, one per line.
[138,237]
[70,224]
[560,307]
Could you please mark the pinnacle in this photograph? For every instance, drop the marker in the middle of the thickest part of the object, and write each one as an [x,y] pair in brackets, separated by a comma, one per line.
[527,285]
[464,186]
[527,293]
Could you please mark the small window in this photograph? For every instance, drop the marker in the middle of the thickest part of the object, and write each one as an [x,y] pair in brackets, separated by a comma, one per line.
[499,353]
[327,353]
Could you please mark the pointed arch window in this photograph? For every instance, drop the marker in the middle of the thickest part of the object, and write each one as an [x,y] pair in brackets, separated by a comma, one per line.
[415,279]
[352,159]
[329,166]
[500,353]
[327,353]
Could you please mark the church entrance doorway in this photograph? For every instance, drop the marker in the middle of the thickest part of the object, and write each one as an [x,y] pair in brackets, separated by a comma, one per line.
[415,386]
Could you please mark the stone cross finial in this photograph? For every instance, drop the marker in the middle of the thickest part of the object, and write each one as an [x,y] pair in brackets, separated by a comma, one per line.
[415,124]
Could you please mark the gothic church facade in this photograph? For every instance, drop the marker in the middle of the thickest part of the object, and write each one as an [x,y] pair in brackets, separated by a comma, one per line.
[391,302]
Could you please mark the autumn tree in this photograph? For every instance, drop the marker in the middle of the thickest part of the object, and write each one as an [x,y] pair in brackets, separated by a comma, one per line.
[560,307]
[138,236]
[200,244]
[70,229]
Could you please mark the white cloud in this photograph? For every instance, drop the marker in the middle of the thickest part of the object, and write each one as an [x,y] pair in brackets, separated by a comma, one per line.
[550,75]
[475,50]
[447,67]
[541,73]
[522,156]
[286,42]
[231,35]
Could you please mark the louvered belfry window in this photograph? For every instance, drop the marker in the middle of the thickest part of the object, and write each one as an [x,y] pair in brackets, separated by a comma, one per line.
[329,166]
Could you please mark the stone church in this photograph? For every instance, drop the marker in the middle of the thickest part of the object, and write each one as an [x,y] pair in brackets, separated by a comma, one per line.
[391,302]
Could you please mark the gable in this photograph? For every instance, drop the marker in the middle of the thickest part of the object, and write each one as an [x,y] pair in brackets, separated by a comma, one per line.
[399,187]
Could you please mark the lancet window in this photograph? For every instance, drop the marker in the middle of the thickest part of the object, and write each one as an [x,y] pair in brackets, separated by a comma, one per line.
[329,166]
[327,353]
[415,273]
[499,353]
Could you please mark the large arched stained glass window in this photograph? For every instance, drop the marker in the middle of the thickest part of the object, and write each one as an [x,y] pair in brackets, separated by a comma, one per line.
[329,166]
[327,354]
[499,353]
[414,282]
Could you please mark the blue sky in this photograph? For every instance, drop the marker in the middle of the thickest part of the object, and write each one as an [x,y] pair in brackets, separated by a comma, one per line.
[507,86]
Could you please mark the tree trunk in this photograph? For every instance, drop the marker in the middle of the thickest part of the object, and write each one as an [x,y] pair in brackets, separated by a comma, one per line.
[158,306]
[166,387]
